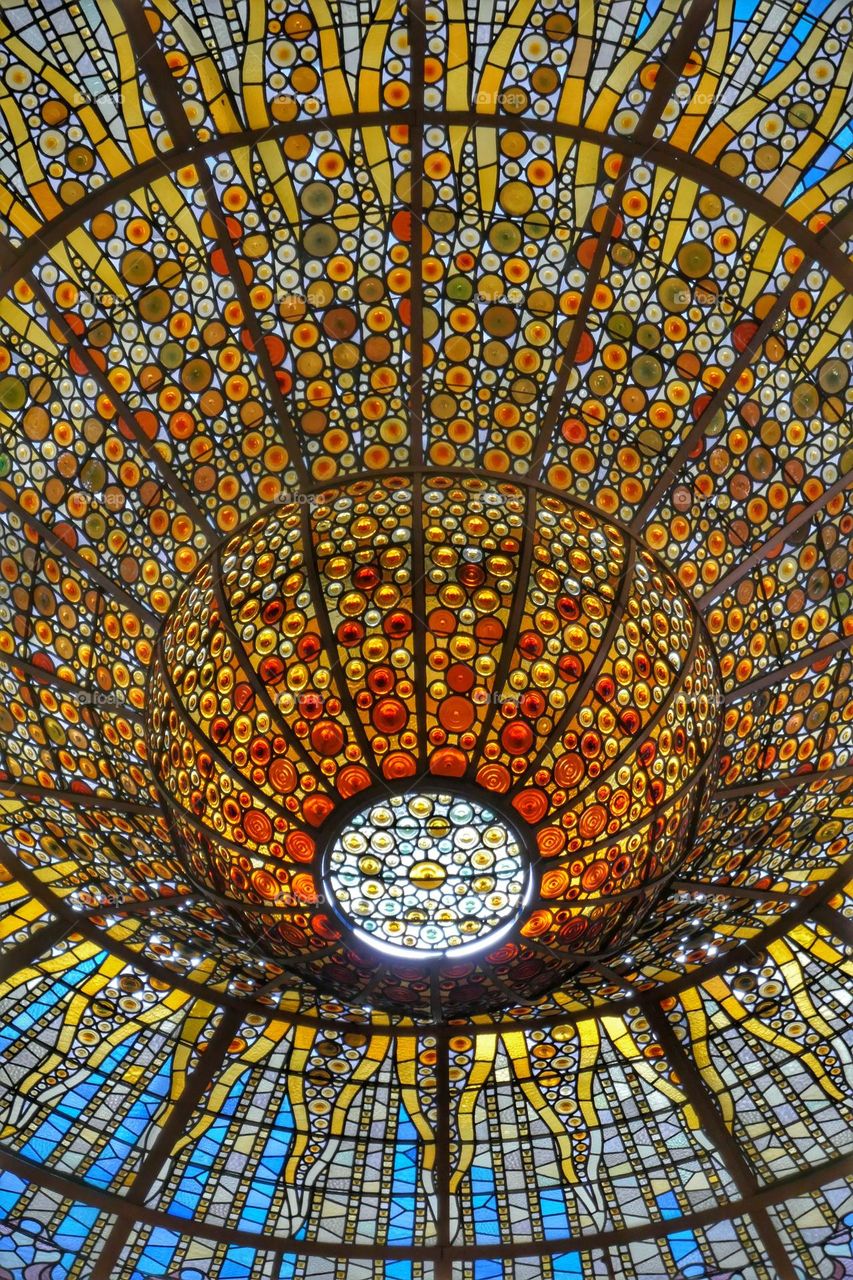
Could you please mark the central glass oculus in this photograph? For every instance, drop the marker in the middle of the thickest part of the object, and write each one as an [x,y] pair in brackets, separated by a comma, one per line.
[427,873]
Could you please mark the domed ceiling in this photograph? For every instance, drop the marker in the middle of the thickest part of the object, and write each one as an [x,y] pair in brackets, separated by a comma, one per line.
[425,586]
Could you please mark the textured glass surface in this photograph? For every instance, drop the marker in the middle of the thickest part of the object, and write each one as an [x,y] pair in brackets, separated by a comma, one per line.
[398,398]
[430,874]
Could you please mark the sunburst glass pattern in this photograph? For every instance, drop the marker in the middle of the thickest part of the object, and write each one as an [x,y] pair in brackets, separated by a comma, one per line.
[425,595]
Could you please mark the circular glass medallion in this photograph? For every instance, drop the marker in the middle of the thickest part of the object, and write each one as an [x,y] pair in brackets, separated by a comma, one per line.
[428,874]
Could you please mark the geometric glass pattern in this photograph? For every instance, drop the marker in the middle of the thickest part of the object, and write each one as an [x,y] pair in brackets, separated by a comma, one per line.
[543,661]
[434,874]
[417,293]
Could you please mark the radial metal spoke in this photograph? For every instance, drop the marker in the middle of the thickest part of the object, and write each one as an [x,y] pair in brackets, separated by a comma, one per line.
[592,672]
[78,799]
[176,1123]
[45,677]
[99,580]
[838,924]
[710,1117]
[95,699]
[834,230]
[788,781]
[28,952]
[417,54]
[417,19]
[774,543]
[419,622]
[770,679]
[154,67]
[671,67]
[611,976]
[712,890]
[513,628]
[442,1140]
[126,417]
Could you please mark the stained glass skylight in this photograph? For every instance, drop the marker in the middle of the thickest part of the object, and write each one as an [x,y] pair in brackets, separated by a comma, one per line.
[442,406]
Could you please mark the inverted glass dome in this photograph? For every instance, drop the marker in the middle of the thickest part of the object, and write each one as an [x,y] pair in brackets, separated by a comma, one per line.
[425,596]
[433,876]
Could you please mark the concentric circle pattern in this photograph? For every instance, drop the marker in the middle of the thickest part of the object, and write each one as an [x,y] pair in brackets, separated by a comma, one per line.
[442,405]
[554,664]
[427,874]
